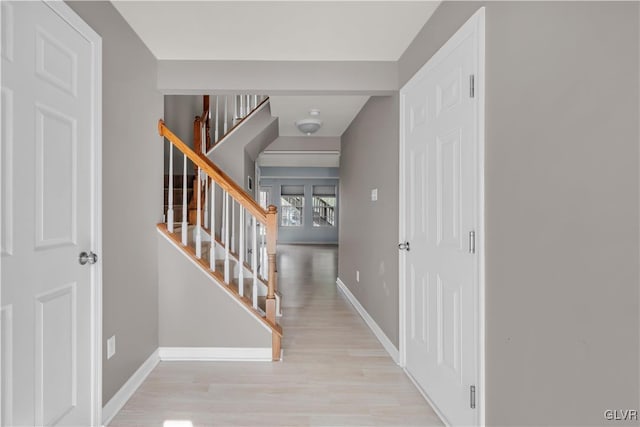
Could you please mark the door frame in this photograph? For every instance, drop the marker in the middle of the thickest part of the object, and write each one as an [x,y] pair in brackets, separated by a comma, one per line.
[72,18]
[476,26]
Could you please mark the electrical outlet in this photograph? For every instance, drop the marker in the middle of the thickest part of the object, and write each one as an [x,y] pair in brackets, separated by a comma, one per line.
[374,194]
[358,276]
[111,347]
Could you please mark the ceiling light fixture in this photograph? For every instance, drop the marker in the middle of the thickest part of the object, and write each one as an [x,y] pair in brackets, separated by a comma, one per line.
[308,126]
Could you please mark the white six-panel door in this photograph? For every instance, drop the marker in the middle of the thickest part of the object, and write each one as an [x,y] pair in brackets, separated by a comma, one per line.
[440,167]
[48,217]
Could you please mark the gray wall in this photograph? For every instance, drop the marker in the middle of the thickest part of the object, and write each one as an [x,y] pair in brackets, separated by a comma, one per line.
[274,178]
[197,313]
[179,113]
[132,193]
[369,230]
[257,132]
[561,206]
[278,77]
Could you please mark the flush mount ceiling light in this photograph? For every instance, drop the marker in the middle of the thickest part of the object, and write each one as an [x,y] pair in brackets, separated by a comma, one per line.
[308,126]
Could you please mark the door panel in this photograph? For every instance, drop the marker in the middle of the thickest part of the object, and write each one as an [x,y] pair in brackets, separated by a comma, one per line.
[56,364]
[47,218]
[56,170]
[440,139]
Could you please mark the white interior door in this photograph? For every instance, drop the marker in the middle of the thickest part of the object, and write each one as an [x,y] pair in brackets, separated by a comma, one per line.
[440,131]
[49,120]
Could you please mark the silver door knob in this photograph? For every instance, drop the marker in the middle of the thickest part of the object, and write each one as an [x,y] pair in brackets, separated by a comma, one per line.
[89,258]
[404,246]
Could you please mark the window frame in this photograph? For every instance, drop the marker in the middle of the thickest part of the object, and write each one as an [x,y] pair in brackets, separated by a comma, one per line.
[301,210]
[334,210]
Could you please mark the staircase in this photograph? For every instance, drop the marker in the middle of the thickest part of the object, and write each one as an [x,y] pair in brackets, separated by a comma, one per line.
[222,228]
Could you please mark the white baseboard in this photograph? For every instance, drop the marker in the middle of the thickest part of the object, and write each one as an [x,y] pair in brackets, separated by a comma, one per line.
[215,354]
[117,402]
[377,331]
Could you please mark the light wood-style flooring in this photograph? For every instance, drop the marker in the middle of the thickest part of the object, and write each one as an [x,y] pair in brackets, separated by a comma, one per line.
[334,373]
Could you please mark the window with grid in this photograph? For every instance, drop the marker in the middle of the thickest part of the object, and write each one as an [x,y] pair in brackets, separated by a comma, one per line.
[324,205]
[291,205]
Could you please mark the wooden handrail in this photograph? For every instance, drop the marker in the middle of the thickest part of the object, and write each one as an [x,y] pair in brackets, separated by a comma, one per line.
[222,179]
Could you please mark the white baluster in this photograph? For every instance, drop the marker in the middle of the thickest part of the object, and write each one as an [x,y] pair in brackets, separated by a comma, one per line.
[241,106]
[254,261]
[170,215]
[225,116]
[226,237]
[265,260]
[260,257]
[198,216]
[255,101]
[236,113]
[212,252]
[203,138]
[216,134]
[241,253]
[206,202]
[185,220]
[224,204]
[233,225]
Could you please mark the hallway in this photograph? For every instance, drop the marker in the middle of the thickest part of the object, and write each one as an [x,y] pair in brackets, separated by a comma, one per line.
[334,373]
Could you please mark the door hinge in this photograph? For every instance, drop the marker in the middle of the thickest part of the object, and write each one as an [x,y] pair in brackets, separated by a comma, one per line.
[472,242]
[472,392]
[472,86]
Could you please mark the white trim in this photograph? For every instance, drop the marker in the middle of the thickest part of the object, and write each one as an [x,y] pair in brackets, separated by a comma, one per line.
[481,92]
[75,21]
[327,159]
[333,243]
[3,374]
[318,178]
[476,23]
[216,354]
[232,131]
[377,331]
[402,227]
[117,402]
[207,273]
[428,399]
[327,152]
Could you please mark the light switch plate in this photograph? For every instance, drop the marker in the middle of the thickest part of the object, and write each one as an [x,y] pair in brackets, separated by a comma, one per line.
[111,347]
[374,194]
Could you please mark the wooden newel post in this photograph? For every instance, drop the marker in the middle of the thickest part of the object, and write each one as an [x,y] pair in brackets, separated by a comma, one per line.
[272,238]
[197,147]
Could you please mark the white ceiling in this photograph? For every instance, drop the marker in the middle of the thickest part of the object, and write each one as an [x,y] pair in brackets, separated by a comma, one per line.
[293,30]
[336,112]
[277,30]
